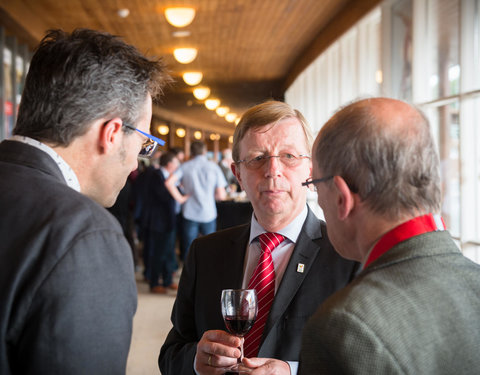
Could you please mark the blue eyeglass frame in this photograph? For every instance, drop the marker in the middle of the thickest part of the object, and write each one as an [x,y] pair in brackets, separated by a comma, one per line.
[153,138]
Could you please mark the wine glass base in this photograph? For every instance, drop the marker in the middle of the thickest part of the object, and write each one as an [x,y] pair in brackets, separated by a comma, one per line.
[237,369]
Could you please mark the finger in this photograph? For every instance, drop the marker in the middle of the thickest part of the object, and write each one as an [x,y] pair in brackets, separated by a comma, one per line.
[223,338]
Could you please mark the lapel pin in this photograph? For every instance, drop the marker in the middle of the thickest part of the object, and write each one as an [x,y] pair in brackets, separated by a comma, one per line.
[300,267]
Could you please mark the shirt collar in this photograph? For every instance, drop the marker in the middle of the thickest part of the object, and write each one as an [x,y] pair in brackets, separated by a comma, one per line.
[67,172]
[291,231]
[411,228]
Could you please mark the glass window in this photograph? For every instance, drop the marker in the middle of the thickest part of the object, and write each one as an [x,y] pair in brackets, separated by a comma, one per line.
[401,50]
[445,127]
[437,49]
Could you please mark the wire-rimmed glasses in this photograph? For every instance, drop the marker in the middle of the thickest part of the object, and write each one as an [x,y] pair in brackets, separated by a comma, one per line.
[150,144]
[287,159]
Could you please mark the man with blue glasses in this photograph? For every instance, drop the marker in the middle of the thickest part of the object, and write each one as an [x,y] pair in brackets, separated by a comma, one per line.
[67,286]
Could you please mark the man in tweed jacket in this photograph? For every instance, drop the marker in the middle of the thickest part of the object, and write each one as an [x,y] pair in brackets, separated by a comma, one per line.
[415,307]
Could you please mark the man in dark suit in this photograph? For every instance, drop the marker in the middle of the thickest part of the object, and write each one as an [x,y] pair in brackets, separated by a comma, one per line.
[414,308]
[160,223]
[67,287]
[271,149]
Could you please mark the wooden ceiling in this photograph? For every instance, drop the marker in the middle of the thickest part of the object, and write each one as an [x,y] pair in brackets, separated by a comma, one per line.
[248,50]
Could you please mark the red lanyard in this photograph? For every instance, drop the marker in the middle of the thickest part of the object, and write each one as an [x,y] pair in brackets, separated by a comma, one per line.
[419,225]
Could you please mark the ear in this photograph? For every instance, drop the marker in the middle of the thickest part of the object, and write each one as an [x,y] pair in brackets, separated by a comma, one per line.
[236,172]
[345,200]
[110,135]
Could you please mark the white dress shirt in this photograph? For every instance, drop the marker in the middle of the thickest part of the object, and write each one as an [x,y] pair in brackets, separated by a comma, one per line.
[67,172]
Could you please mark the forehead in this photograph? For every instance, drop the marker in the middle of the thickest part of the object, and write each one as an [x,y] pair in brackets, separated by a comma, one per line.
[285,134]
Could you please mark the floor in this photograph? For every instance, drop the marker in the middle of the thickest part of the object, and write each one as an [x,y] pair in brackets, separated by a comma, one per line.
[150,328]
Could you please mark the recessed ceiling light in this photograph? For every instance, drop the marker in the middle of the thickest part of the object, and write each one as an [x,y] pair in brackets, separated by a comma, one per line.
[222,111]
[124,12]
[192,78]
[201,93]
[211,104]
[179,16]
[185,55]
[181,33]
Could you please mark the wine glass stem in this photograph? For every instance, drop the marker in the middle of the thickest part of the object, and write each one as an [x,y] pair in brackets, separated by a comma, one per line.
[241,353]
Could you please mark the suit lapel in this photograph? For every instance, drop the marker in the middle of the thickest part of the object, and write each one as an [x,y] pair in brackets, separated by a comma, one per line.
[235,254]
[304,254]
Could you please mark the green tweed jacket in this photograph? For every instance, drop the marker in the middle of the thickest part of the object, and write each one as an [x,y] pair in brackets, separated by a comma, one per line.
[415,310]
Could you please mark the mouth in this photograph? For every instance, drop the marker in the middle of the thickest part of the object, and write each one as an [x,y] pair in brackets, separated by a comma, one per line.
[273,192]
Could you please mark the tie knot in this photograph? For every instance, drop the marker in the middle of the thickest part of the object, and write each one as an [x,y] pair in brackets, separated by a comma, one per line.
[269,241]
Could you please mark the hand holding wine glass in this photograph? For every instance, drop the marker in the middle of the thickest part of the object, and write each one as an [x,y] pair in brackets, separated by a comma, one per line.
[239,310]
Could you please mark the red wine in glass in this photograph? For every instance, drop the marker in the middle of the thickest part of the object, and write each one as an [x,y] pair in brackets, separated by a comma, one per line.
[239,311]
[238,326]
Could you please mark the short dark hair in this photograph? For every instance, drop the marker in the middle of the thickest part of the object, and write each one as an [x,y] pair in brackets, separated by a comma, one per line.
[166,158]
[75,79]
[176,150]
[197,148]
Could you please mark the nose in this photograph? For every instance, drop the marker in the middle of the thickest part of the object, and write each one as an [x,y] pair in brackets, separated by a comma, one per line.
[273,167]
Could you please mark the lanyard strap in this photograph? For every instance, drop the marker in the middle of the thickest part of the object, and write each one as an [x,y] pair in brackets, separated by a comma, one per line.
[419,225]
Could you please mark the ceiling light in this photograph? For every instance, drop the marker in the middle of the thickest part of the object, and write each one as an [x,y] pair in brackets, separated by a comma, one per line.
[201,93]
[222,111]
[123,13]
[230,139]
[192,78]
[214,137]
[197,135]
[230,117]
[163,129]
[237,120]
[211,104]
[181,33]
[185,55]
[179,17]
[180,132]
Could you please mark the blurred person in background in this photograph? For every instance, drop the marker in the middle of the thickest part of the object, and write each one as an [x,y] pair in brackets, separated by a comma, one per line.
[160,225]
[203,182]
[226,166]
[67,287]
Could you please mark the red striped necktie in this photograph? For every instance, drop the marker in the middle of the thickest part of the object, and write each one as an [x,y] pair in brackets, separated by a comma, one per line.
[263,281]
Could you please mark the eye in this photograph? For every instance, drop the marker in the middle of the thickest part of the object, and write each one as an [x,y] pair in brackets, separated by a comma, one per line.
[289,156]
[257,158]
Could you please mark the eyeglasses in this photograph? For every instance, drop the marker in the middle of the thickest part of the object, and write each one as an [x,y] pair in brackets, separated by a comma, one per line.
[316,181]
[288,160]
[150,144]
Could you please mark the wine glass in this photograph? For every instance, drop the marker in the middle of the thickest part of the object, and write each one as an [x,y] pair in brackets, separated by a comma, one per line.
[239,310]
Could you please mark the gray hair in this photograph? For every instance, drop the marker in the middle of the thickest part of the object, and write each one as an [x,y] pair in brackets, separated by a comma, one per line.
[270,112]
[394,169]
[75,79]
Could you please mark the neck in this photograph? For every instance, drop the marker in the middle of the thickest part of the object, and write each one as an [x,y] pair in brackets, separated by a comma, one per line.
[275,223]
[375,227]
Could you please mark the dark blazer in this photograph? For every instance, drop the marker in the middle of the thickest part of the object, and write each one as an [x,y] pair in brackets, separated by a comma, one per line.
[67,286]
[415,310]
[158,212]
[215,262]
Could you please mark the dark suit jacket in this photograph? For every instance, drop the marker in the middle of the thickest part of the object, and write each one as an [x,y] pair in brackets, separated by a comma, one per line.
[215,262]
[158,212]
[67,287]
[415,310]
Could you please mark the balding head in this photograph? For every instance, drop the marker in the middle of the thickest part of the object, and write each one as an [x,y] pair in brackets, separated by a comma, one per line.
[383,149]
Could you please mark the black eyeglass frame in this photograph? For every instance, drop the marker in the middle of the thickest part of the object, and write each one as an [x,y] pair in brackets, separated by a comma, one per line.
[316,181]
